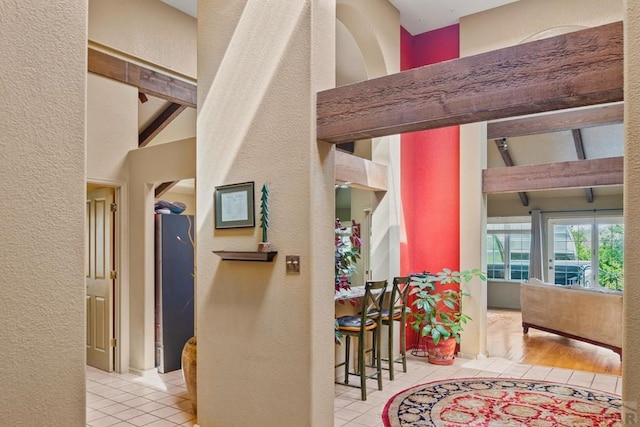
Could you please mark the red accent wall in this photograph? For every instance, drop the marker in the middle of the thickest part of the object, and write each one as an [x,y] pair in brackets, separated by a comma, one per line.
[436,46]
[430,172]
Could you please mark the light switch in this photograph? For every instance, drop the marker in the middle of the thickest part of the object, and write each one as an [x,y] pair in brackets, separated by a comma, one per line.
[293,263]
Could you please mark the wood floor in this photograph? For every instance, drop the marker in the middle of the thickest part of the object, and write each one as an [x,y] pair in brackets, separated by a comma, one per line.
[505,339]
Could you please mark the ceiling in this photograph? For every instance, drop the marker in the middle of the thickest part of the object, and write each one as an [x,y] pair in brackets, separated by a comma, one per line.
[416,16]
[419,16]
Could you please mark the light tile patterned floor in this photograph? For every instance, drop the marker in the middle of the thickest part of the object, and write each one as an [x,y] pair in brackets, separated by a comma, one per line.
[161,400]
[119,400]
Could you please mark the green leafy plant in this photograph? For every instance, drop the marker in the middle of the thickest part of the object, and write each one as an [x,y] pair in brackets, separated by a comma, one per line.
[347,253]
[437,312]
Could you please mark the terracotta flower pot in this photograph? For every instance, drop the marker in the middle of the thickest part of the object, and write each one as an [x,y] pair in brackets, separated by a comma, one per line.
[189,370]
[442,353]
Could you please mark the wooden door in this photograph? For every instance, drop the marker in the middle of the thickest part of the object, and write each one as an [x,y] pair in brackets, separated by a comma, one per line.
[99,284]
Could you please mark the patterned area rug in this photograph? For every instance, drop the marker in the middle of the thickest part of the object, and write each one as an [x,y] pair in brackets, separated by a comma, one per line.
[501,402]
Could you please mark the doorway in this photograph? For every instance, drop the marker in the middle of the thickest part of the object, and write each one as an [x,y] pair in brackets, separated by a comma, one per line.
[100,276]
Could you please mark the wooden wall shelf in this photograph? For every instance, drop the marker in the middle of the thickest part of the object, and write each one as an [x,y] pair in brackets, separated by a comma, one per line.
[246,255]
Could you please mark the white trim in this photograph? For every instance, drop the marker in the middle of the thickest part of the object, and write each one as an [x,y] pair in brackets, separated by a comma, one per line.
[146,373]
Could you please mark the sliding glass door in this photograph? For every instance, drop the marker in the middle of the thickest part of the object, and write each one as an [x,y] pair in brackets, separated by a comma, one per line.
[586,251]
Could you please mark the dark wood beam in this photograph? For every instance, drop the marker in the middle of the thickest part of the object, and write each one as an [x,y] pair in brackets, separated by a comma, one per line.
[571,70]
[559,121]
[577,140]
[159,123]
[164,187]
[146,80]
[554,176]
[503,148]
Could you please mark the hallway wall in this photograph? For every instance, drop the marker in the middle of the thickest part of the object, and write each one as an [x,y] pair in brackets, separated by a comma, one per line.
[160,37]
[42,153]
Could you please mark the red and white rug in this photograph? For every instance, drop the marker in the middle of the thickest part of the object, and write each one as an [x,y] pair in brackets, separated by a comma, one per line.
[493,402]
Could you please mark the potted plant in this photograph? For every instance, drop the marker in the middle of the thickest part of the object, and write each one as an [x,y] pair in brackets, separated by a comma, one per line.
[437,313]
[347,253]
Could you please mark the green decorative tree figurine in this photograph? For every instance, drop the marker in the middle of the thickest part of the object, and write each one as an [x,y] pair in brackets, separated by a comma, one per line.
[264,246]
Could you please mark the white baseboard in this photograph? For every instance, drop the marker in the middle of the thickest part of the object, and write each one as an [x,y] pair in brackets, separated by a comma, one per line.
[472,356]
[144,372]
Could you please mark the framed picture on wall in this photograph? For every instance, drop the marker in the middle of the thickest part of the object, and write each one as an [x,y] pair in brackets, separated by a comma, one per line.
[234,206]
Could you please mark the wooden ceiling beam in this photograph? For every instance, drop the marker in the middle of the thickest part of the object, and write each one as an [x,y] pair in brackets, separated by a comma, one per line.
[159,123]
[571,70]
[360,173]
[503,148]
[146,80]
[554,176]
[164,187]
[577,140]
[559,121]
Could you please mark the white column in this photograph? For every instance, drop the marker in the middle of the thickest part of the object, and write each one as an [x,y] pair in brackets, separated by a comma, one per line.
[473,221]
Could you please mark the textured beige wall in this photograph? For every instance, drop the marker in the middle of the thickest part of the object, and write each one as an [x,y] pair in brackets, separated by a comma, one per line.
[265,337]
[42,154]
[112,131]
[149,166]
[372,39]
[374,26]
[630,361]
[112,127]
[526,20]
[382,20]
[147,29]
[494,29]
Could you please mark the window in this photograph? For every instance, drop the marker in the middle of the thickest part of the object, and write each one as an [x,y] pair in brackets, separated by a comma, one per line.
[587,251]
[508,246]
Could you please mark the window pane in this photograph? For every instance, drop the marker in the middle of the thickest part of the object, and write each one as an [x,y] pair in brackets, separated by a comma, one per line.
[508,250]
[588,251]
[610,255]
[495,258]
[568,268]
[519,247]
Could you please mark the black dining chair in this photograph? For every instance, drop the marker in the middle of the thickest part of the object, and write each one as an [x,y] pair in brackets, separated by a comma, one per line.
[396,312]
[367,322]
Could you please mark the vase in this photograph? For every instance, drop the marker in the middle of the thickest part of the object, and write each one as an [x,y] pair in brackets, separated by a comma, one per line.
[264,247]
[442,353]
[189,370]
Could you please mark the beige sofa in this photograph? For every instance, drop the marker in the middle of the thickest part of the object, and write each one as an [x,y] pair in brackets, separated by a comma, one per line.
[583,314]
